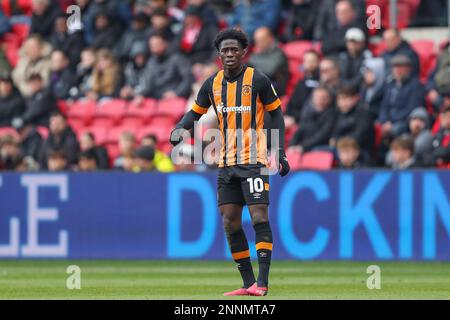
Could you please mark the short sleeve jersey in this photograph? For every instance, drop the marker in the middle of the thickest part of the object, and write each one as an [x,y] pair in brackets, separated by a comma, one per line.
[239,104]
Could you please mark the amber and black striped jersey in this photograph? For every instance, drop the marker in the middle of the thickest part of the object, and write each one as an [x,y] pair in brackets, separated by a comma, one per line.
[239,104]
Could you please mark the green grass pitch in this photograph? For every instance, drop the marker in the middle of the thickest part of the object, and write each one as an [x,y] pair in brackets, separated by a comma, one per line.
[209,279]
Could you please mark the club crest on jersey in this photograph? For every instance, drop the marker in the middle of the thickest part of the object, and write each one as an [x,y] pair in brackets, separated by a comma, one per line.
[246,89]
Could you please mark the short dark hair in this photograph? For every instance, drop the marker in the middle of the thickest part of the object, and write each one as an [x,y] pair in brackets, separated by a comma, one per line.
[57,154]
[234,34]
[152,137]
[348,91]
[88,154]
[403,142]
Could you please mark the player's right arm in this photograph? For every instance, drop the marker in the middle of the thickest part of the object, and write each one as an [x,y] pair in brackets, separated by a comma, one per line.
[200,107]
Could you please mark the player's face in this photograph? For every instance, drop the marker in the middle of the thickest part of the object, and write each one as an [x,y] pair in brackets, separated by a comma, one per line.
[231,53]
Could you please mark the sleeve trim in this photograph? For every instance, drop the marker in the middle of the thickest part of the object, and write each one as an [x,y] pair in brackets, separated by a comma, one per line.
[199,109]
[272,106]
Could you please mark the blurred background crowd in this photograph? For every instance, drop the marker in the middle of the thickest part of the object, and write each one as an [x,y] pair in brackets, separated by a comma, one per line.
[104,92]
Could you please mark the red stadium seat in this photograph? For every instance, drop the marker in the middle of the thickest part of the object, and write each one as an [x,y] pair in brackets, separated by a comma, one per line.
[296,49]
[76,124]
[82,109]
[175,107]
[43,131]
[132,122]
[294,158]
[113,110]
[22,30]
[12,53]
[113,151]
[426,51]
[8,131]
[161,132]
[162,120]
[26,6]
[317,160]
[378,48]
[144,111]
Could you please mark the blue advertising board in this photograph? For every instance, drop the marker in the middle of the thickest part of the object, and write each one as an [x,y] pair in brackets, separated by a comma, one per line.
[336,215]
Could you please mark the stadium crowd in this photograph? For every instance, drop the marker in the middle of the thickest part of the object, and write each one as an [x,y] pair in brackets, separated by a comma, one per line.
[67,90]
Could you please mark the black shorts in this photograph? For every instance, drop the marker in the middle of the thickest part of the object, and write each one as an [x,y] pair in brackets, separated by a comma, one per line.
[242,184]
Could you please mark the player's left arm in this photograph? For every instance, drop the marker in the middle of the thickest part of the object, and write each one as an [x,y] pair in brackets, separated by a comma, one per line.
[272,104]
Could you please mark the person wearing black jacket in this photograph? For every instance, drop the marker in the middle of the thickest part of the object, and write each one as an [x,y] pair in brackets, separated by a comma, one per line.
[62,78]
[316,122]
[12,104]
[45,12]
[62,138]
[301,20]
[69,41]
[106,32]
[39,106]
[303,88]
[30,141]
[353,120]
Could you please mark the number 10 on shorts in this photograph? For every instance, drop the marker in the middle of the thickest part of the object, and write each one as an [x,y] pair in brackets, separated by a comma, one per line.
[255,184]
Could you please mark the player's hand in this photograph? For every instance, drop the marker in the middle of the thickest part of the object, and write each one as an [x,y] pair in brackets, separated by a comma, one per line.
[284,167]
[176,136]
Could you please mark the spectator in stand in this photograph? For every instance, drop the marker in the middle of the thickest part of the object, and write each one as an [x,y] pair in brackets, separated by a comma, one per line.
[57,161]
[30,142]
[12,104]
[208,15]
[145,160]
[62,138]
[326,19]
[118,10]
[268,58]
[351,61]
[402,94]
[303,88]
[69,41]
[329,74]
[45,13]
[134,70]
[124,161]
[334,40]
[107,77]
[301,20]
[34,58]
[166,75]
[5,26]
[316,122]
[441,141]
[161,24]
[84,73]
[438,81]
[397,46]
[39,106]
[87,161]
[419,130]
[201,72]
[402,150]
[349,154]
[161,161]
[372,88]
[87,143]
[137,35]
[62,78]
[196,37]
[106,32]
[353,120]
[250,15]
[10,155]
